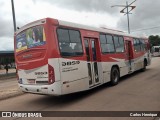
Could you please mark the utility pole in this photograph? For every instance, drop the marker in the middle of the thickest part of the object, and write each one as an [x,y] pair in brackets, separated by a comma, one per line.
[13,14]
[126,7]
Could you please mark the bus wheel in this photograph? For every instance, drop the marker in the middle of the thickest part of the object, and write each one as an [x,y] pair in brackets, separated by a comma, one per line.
[114,76]
[144,66]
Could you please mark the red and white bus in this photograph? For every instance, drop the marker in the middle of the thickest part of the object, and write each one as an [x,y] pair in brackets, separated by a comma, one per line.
[55,57]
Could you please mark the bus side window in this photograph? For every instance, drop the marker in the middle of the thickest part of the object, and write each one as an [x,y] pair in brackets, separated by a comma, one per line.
[137,45]
[66,50]
[107,45]
[69,42]
[119,44]
[156,49]
[78,49]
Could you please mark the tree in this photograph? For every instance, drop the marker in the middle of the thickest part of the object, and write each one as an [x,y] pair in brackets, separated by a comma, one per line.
[154,40]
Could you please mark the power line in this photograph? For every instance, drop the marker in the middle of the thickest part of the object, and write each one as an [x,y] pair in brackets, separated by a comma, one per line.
[156,27]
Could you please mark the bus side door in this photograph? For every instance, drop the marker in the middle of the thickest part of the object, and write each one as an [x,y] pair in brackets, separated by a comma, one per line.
[129,55]
[91,53]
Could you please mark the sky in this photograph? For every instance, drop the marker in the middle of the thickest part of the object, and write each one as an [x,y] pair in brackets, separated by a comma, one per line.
[97,13]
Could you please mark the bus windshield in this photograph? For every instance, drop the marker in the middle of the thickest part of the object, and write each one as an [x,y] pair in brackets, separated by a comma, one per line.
[30,38]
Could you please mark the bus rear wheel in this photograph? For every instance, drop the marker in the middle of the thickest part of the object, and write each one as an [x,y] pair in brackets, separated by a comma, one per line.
[115,75]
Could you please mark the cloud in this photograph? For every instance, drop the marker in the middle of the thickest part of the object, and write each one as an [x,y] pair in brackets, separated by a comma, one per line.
[146,15]
[5,20]
[90,12]
[61,9]
[6,43]
[6,28]
[103,6]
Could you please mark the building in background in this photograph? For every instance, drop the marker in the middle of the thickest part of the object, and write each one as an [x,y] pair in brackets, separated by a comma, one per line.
[7,58]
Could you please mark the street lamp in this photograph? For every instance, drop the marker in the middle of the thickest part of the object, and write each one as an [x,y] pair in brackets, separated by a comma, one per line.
[127,6]
[13,14]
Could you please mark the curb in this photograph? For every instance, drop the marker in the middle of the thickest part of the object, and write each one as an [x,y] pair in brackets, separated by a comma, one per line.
[9,76]
[12,94]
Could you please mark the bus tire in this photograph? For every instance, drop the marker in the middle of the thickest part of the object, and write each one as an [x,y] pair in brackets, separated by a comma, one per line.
[114,76]
[144,65]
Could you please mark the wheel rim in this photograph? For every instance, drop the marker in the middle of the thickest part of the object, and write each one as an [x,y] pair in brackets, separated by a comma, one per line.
[115,76]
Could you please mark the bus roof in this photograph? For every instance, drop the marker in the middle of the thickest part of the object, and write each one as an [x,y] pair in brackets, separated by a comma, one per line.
[102,29]
[76,25]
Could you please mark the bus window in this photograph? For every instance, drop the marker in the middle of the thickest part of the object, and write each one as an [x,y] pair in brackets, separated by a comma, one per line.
[110,44]
[94,50]
[156,49]
[107,44]
[116,42]
[119,44]
[63,35]
[87,49]
[143,44]
[30,38]
[137,45]
[69,42]
[103,43]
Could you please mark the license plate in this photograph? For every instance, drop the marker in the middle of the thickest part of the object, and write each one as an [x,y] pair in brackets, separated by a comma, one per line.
[31,81]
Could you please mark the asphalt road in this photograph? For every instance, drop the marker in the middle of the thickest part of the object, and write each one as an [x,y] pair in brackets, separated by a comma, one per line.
[137,92]
[8,84]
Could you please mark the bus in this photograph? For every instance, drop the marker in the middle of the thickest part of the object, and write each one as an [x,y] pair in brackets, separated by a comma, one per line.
[55,57]
[156,51]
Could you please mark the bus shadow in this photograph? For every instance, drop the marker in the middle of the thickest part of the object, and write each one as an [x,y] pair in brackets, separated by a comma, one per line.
[126,77]
[66,100]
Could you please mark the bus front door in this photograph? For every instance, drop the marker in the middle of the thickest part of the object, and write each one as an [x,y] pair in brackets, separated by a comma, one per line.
[91,54]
